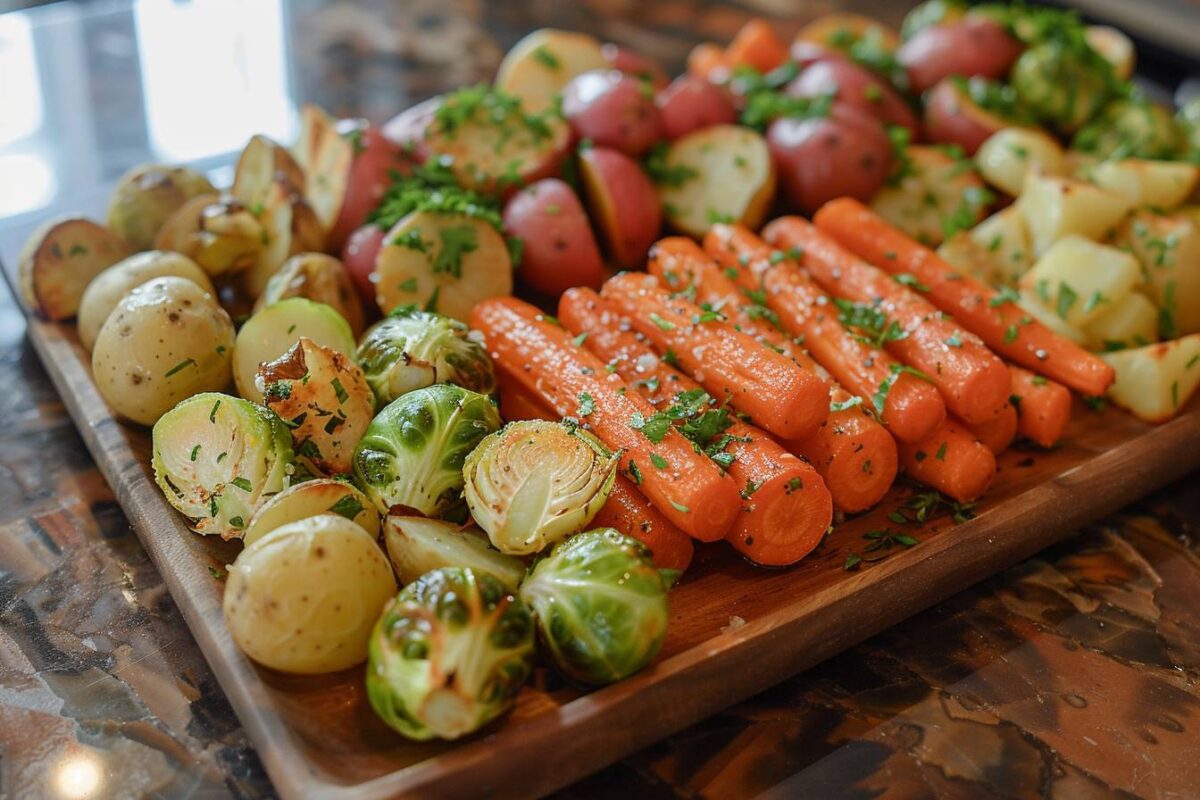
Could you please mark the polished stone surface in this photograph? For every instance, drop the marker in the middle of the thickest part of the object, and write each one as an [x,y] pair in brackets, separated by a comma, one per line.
[1073,675]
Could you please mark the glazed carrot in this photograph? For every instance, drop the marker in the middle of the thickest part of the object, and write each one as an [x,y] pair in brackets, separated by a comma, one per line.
[786,508]
[632,514]
[973,382]
[991,316]
[779,396]
[706,60]
[756,45]
[626,509]
[952,461]
[909,407]
[1043,406]
[688,488]
[997,434]
[853,453]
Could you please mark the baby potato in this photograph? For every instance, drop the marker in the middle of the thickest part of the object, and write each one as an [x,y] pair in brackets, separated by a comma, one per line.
[623,203]
[538,67]
[304,598]
[310,499]
[146,196]
[60,259]
[325,400]
[691,103]
[613,110]
[732,179]
[111,286]
[219,234]
[320,278]
[560,250]
[165,341]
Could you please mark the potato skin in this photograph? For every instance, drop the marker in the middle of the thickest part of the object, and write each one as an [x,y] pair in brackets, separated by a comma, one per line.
[304,598]
[560,250]
[611,108]
[165,341]
[60,259]
[320,278]
[325,399]
[146,196]
[110,287]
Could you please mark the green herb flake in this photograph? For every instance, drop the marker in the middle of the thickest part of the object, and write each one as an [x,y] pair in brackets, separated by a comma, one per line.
[587,404]
[547,59]
[212,415]
[243,484]
[1066,299]
[182,365]
[635,474]
[412,240]
[940,455]
[910,280]
[195,453]
[347,506]
[658,461]
[1010,334]
[1005,295]
[342,394]
[680,507]
[662,324]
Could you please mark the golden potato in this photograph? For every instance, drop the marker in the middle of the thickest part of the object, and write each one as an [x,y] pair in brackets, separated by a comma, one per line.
[146,196]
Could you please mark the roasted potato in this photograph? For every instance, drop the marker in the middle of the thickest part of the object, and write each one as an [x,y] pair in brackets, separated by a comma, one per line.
[219,234]
[271,332]
[538,67]
[560,250]
[1055,207]
[146,196]
[726,175]
[936,193]
[1168,249]
[1161,185]
[320,278]
[1004,236]
[111,286]
[309,499]
[1155,381]
[612,109]
[1079,279]
[60,259]
[690,103]
[1131,322]
[624,205]
[1008,155]
[971,46]
[165,341]
[324,398]
[855,85]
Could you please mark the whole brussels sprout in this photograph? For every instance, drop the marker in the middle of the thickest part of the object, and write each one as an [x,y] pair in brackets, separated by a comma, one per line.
[1061,84]
[413,451]
[1133,128]
[449,654]
[146,196]
[536,482]
[600,605]
[412,349]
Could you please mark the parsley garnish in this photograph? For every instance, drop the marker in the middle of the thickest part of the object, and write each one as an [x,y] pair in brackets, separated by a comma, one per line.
[187,362]
[587,404]
[348,507]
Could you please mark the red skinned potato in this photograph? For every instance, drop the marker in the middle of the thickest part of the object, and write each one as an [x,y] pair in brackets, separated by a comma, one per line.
[854,85]
[613,110]
[406,130]
[633,63]
[375,158]
[560,250]
[952,117]
[847,153]
[805,52]
[623,202]
[359,254]
[691,103]
[971,46]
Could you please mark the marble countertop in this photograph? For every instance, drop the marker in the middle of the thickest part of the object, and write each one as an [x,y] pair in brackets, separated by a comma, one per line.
[1073,675]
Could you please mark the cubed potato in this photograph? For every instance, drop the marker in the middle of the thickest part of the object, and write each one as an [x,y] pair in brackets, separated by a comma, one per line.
[939,193]
[1144,183]
[1055,207]
[1007,155]
[1155,381]
[1033,306]
[967,255]
[1132,322]
[1168,249]
[1079,279]
[1005,236]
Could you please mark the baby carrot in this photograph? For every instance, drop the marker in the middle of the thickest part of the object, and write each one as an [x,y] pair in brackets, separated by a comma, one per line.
[786,508]
[688,488]
[756,45]
[779,396]
[992,316]
[952,461]
[1043,406]
[707,61]
[908,406]
[632,514]
[998,433]
[853,453]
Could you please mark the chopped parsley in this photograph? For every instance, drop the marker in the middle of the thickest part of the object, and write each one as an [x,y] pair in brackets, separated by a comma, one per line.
[243,484]
[872,324]
[182,365]
[910,280]
[658,461]
[347,506]
[587,404]
[662,324]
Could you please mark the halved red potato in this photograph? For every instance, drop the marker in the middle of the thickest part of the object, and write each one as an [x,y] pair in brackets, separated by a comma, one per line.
[623,203]
[973,45]
[442,262]
[937,193]
[634,63]
[359,254]
[692,103]
[733,179]
[952,117]
[559,249]
[406,130]
[612,109]
[60,259]
[537,68]
[845,154]
[854,85]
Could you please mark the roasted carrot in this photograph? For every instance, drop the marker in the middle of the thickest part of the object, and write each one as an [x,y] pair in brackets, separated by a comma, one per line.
[756,45]
[990,315]
[997,434]
[706,60]
[786,507]
[688,488]
[780,397]
[973,381]
[626,509]
[952,461]
[1043,406]
[908,406]
[632,514]
[853,453]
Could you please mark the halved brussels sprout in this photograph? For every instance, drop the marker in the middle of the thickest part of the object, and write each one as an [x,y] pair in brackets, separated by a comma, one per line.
[218,458]
[412,349]
[449,654]
[537,482]
[413,452]
[271,332]
[600,605]
[417,545]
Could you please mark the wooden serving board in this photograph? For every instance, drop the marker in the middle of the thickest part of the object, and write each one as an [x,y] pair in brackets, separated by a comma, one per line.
[318,737]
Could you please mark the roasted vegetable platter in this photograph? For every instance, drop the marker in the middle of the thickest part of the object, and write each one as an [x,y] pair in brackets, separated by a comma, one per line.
[436,540]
